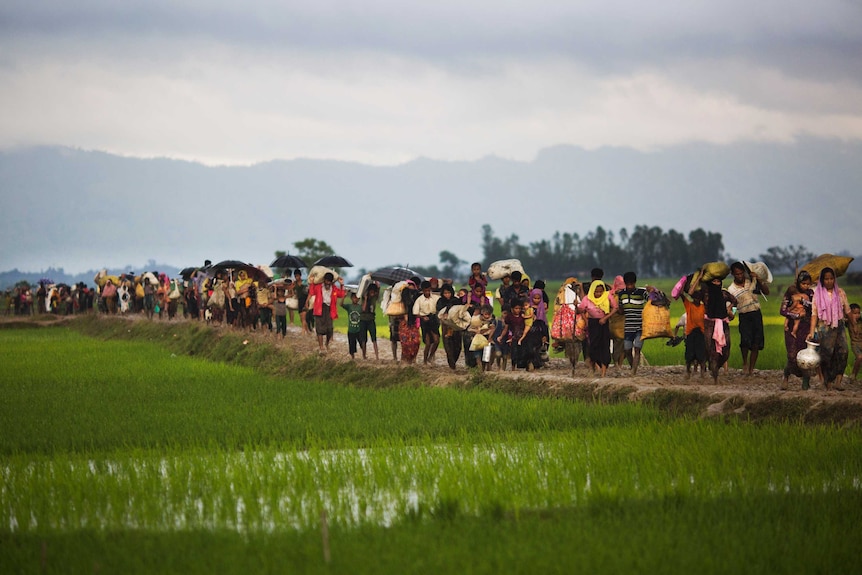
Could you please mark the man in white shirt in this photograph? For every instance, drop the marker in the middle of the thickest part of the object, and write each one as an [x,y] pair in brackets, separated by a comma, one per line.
[746,292]
[425,308]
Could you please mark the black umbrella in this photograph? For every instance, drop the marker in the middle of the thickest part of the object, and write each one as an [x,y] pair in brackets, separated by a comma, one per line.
[393,275]
[253,272]
[186,273]
[288,261]
[229,265]
[333,261]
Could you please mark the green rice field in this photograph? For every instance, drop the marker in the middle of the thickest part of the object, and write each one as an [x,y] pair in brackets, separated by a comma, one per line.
[122,456]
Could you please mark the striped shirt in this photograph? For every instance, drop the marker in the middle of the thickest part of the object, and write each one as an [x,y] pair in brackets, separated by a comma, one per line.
[746,296]
[632,303]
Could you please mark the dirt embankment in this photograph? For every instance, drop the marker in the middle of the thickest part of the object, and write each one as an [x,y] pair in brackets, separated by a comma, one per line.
[736,396]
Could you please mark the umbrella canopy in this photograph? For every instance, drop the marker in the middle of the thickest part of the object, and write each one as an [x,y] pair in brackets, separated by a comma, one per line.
[266,270]
[393,275]
[253,272]
[187,273]
[288,261]
[838,263]
[333,261]
[229,265]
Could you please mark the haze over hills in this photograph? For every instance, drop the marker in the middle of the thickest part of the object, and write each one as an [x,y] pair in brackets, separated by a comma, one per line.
[84,210]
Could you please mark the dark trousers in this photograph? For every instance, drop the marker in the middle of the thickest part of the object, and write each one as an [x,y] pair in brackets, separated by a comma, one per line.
[266,317]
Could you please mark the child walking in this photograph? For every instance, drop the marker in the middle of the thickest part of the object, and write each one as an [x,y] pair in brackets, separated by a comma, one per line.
[279,310]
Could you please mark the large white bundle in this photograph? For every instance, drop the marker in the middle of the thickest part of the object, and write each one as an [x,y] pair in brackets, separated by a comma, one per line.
[396,291]
[385,298]
[761,270]
[457,317]
[125,298]
[364,282]
[500,268]
[315,274]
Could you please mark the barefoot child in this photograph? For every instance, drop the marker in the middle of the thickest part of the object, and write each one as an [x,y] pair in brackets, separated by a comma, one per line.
[798,301]
[695,342]
[477,277]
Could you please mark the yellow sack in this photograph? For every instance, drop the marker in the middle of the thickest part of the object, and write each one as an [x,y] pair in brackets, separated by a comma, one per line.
[837,263]
[617,324]
[715,270]
[479,342]
[656,322]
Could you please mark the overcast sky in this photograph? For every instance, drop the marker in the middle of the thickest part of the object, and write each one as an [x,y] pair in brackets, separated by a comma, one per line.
[386,82]
[226,82]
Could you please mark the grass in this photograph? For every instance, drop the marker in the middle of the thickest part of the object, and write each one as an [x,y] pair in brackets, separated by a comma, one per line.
[118,456]
[107,395]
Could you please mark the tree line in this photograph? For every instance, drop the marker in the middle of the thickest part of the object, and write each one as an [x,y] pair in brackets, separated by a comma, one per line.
[648,250]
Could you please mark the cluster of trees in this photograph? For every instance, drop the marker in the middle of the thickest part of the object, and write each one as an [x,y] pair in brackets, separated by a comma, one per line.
[649,250]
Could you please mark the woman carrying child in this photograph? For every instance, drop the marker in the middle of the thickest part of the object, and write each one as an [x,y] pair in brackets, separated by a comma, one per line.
[513,332]
[599,307]
[536,341]
[482,325]
[793,343]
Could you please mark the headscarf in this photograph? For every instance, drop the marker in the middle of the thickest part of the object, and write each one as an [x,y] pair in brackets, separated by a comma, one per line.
[541,308]
[619,285]
[830,311]
[602,302]
[716,307]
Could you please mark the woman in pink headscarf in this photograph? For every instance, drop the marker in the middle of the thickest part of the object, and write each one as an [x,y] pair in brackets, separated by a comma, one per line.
[828,312]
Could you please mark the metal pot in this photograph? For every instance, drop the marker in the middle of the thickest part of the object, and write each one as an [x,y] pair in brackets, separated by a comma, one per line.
[809,358]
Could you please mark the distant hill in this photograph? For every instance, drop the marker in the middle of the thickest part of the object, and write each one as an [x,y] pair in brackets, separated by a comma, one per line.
[81,210]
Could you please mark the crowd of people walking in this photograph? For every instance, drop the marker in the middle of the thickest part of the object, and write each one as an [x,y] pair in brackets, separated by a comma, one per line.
[603,324]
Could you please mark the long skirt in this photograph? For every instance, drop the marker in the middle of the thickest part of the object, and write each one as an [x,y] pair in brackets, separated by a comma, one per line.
[408,333]
[530,350]
[717,357]
[452,345]
[600,342]
[794,345]
[833,351]
[695,347]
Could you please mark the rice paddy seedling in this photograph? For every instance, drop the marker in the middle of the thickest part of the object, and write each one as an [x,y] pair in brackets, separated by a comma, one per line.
[126,459]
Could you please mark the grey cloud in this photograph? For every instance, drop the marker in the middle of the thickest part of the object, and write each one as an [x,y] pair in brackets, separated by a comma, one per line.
[820,41]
